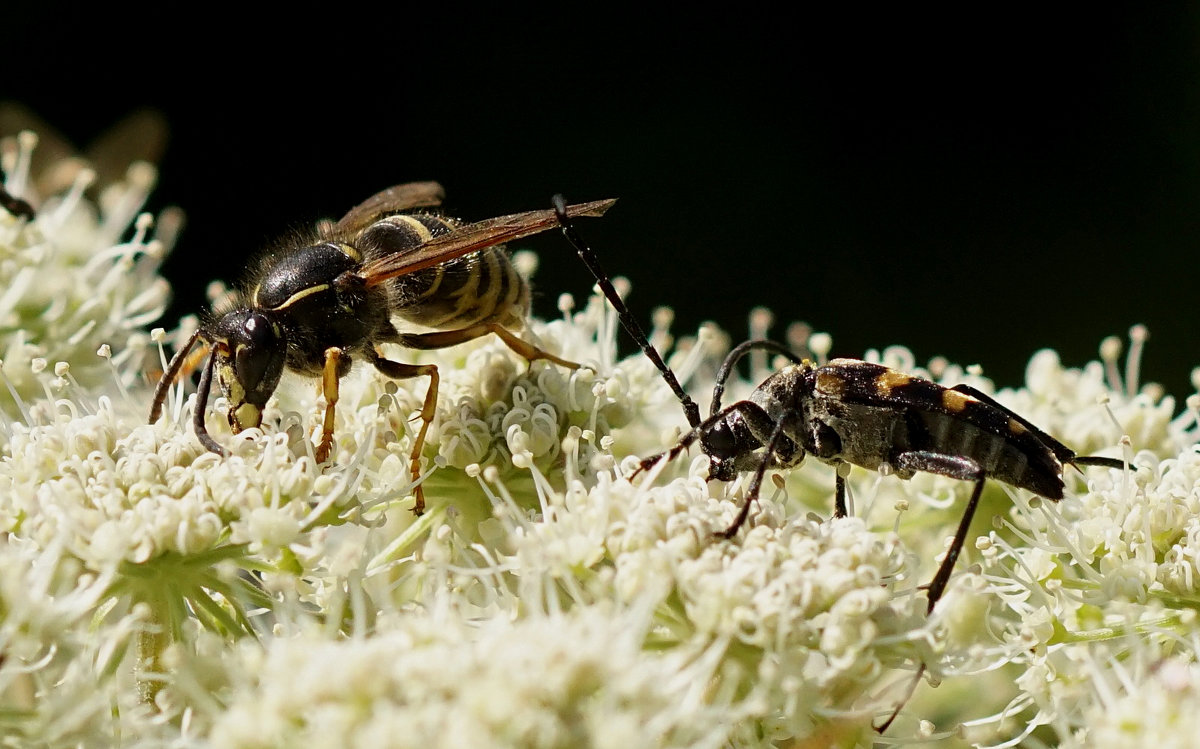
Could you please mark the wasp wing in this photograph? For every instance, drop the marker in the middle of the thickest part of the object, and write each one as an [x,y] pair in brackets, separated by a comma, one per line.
[394,199]
[473,237]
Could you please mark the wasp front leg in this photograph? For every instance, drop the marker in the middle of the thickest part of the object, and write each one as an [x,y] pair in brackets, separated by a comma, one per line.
[400,371]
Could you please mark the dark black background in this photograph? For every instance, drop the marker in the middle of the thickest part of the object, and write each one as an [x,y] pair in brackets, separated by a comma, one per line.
[972,184]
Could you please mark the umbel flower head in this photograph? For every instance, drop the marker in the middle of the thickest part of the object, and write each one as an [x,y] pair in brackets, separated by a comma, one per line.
[71,282]
[154,593]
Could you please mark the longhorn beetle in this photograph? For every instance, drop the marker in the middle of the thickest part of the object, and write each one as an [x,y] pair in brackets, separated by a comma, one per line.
[860,413]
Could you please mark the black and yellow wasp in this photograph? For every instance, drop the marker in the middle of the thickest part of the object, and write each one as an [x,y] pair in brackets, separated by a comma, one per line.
[322,302]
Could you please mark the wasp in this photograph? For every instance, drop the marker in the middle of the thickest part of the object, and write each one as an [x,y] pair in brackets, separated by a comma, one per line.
[323,302]
[858,413]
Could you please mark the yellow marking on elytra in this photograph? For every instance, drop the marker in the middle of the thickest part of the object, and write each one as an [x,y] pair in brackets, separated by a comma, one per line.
[1016,427]
[889,379]
[315,289]
[830,383]
[955,401]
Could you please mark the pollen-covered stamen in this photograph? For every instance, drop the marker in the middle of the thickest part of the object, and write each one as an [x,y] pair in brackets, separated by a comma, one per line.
[17,165]
[660,327]
[820,344]
[1110,353]
[761,320]
[121,202]
[1138,335]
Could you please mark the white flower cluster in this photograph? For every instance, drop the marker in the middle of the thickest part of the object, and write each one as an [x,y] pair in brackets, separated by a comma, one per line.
[580,678]
[152,589]
[70,284]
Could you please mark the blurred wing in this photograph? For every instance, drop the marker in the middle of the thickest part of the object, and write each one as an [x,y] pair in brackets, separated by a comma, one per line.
[140,136]
[52,147]
[392,200]
[472,237]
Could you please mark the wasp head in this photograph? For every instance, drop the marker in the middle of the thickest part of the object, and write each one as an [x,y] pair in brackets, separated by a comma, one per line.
[250,353]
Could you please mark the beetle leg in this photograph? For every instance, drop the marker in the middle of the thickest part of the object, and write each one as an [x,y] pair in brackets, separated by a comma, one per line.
[18,207]
[955,467]
[839,500]
[756,482]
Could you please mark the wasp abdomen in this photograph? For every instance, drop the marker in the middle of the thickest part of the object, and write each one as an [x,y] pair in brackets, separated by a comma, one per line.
[479,287]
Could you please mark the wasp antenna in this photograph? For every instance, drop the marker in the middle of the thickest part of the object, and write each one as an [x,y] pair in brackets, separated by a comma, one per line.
[628,321]
[202,391]
[164,383]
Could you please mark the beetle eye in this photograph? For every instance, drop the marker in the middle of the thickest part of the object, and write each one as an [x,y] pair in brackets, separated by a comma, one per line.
[718,442]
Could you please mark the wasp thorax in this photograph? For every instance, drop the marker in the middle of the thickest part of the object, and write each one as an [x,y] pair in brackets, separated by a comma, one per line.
[250,352]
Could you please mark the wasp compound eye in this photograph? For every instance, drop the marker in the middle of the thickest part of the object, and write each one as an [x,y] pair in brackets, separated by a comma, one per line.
[250,352]
[257,353]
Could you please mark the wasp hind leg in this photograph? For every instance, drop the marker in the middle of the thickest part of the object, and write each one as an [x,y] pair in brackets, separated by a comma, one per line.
[401,371]
[448,338]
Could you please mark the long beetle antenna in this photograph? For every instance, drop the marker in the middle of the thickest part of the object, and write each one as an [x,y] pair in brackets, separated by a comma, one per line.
[731,360]
[628,321]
